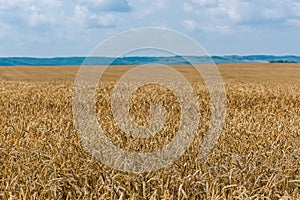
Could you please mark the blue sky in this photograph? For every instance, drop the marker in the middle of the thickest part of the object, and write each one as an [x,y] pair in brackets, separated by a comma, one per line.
[48,28]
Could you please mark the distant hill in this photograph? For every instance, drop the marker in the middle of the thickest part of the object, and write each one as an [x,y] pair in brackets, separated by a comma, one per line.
[174,60]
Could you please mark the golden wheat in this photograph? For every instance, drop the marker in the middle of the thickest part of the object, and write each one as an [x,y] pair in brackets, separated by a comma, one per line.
[256,157]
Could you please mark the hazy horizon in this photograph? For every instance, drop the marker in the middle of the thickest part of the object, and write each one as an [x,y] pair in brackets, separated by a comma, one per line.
[150,56]
[140,60]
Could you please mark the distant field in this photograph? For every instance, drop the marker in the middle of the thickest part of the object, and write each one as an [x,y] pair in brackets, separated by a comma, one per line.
[257,155]
[242,73]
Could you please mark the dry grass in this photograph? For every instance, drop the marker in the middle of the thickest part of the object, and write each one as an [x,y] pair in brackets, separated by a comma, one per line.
[257,155]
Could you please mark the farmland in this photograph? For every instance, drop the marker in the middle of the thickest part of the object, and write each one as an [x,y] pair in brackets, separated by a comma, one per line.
[256,156]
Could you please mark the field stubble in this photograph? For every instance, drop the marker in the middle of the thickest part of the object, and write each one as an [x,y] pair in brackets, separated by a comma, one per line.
[257,154]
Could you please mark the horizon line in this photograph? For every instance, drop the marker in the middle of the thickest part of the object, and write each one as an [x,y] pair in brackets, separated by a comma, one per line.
[153,56]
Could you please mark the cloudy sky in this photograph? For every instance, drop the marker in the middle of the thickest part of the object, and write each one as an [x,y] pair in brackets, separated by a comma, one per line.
[47,28]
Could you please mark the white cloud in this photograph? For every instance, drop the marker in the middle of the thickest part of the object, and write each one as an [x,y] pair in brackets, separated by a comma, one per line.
[206,3]
[52,3]
[80,14]
[293,22]
[190,24]
[84,17]
[145,8]
[6,5]
[187,7]
[237,11]
[23,4]
[31,12]
[99,13]
[223,29]
[107,5]
[296,8]
[36,17]
[245,11]
[107,20]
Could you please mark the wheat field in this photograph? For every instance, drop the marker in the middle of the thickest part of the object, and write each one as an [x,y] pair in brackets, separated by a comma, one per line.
[256,157]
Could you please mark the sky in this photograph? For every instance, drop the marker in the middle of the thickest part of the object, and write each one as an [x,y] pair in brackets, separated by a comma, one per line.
[56,28]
